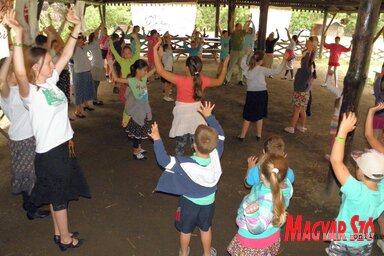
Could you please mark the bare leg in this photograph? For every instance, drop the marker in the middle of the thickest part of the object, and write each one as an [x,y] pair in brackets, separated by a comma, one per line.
[295,117]
[184,243]
[335,75]
[245,128]
[303,116]
[259,128]
[327,75]
[56,228]
[61,218]
[78,110]
[206,241]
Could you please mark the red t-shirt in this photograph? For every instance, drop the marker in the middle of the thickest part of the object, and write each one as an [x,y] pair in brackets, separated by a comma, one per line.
[152,41]
[335,51]
[184,85]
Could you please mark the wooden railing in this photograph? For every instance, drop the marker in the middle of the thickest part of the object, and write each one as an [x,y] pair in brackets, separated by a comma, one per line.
[2,118]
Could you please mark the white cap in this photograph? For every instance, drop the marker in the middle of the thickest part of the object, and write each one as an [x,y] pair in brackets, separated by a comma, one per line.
[372,165]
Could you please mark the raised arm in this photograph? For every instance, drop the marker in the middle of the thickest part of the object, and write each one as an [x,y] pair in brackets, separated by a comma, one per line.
[159,66]
[163,159]
[206,111]
[219,81]
[369,135]
[288,35]
[300,33]
[278,35]
[4,88]
[18,55]
[71,42]
[347,125]
[117,56]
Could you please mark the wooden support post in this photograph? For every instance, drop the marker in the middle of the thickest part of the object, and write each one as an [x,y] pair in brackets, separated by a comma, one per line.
[323,33]
[263,20]
[378,34]
[231,12]
[217,18]
[104,11]
[354,82]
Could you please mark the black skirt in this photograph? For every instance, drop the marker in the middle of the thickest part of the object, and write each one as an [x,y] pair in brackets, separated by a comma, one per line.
[256,106]
[59,178]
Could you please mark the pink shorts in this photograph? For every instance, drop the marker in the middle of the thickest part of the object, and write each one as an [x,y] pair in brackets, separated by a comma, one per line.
[378,122]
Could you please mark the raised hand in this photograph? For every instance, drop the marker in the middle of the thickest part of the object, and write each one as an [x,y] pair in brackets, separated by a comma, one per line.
[348,123]
[154,133]
[206,108]
[71,17]
[10,19]
[252,160]
[378,107]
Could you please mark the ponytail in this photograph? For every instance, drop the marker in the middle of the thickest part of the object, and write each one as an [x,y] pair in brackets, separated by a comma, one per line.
[274,168]
[257,56]
[279,214]
[195,65]
[139,64]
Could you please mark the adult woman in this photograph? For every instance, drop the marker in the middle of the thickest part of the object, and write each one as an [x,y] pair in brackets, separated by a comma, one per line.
[56,182]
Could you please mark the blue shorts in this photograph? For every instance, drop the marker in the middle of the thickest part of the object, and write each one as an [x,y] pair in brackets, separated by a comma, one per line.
[189,215]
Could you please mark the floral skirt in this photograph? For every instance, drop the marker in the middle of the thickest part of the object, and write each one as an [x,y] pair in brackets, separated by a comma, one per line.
[300,99]
[235,248]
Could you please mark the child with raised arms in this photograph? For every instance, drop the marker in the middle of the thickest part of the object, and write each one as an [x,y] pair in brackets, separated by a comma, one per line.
[262,212]
[273,145]
[362,196]
[194,178]
[190,89]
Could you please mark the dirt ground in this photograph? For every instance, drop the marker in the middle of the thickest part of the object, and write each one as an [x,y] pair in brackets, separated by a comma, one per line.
[125,217]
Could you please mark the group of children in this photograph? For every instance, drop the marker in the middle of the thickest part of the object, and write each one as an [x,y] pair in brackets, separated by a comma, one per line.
[194,178]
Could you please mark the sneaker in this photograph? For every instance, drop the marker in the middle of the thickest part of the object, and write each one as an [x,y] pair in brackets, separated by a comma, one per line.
[291,79]
[143,151]
[380,243]
[188,250]
[167,98]
[139,156]
[225,82]
[324,85]
[290,130]
[302,129]
[284,78]
[270,76]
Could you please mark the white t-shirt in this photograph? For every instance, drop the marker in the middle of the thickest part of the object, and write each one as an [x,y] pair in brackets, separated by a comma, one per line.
[48,111]
[18,115]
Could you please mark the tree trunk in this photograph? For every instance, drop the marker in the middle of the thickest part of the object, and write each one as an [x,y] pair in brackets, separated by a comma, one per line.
[356,77]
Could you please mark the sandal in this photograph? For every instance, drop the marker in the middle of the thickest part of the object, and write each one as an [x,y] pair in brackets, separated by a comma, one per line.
[64,247]
[81,115]
[89,108]
[56,238]
[302,129]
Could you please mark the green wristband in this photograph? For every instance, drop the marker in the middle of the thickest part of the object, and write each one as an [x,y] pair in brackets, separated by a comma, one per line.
[342,140]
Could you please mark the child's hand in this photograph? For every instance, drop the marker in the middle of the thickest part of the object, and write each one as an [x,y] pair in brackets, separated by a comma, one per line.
[154,134]
[348,123]
[252,160]
[252,208]
[378,107]
[206,109]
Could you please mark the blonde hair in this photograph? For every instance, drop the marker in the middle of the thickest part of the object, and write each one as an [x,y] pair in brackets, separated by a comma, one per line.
[206,139]
[274,168]
[274,145]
